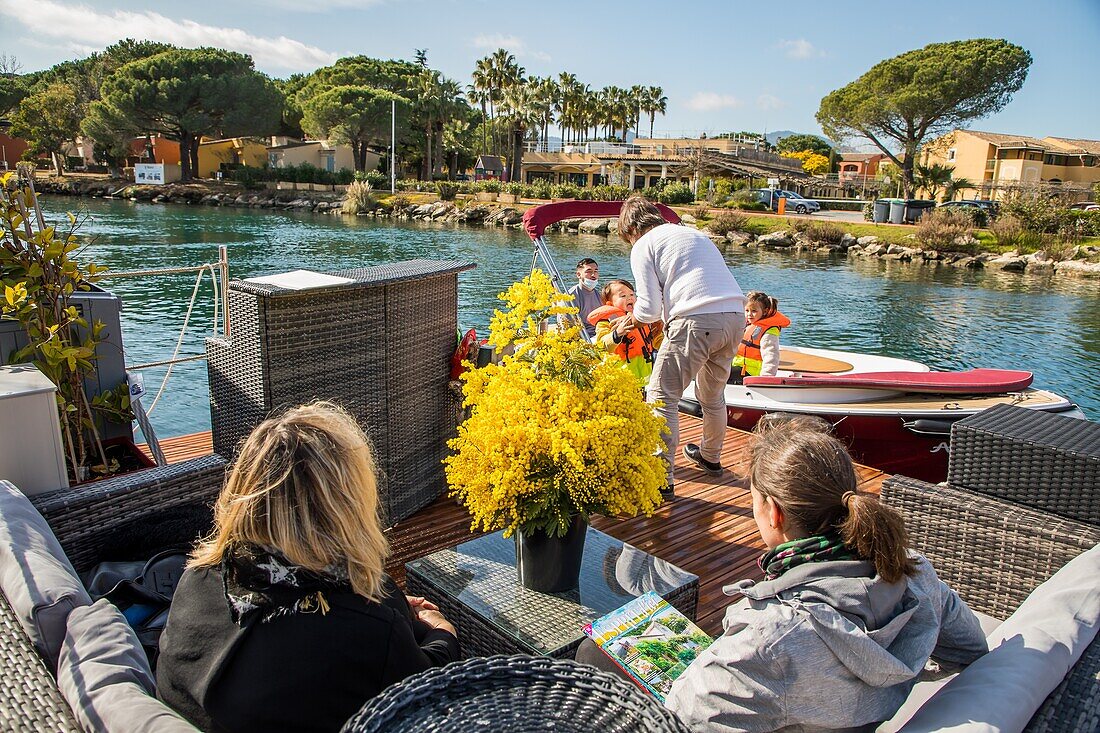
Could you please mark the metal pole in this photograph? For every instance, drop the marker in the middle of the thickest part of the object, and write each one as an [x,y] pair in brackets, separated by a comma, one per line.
[223,265]
[393,145]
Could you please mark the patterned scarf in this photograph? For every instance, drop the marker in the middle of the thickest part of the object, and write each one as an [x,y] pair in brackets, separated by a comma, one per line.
[783,557]
[259,581]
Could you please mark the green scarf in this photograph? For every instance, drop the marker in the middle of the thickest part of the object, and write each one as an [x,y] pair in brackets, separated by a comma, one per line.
[783,557]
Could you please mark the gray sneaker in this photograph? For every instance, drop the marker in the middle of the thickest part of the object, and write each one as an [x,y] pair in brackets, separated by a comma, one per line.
[693,454]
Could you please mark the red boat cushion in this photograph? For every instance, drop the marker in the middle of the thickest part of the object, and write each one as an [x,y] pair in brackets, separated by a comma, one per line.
[973,381]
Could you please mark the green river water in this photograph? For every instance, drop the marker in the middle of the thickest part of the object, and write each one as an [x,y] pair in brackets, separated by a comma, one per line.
[945,317]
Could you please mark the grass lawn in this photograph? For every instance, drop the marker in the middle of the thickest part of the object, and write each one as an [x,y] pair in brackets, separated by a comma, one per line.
[887,233]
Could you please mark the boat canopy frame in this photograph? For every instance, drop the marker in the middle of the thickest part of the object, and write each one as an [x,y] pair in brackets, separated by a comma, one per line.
[538,218]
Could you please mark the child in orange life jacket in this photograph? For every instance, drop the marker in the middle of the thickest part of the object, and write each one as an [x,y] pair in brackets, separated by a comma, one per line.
[758,354]
[634,343]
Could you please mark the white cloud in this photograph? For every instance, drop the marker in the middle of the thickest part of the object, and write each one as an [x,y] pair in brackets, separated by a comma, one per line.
[515,44]
[708,101]
[80,26]
[769,102]
[318,6]
[799,49]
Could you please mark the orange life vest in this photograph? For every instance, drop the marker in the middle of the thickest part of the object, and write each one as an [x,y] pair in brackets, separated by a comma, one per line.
[748,356]
[635,343]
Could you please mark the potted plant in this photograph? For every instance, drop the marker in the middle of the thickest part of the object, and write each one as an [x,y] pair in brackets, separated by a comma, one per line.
[557,431]
[511,193]
[488,190]
[40,281]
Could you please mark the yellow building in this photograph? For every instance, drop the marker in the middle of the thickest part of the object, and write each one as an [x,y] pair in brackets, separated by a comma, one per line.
[997,161]
[318,153]
[214,154]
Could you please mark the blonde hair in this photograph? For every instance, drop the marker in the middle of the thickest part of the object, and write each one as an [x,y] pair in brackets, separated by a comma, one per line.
[810,475]
[769,306]
[637,216]
[304,485]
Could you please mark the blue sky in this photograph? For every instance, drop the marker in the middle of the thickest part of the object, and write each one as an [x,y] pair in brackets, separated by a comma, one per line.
[723,65]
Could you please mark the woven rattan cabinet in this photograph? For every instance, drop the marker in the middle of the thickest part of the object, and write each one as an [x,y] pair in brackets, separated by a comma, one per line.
[378,345]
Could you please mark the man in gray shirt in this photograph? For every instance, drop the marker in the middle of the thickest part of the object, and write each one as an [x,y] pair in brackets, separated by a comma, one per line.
[584,293]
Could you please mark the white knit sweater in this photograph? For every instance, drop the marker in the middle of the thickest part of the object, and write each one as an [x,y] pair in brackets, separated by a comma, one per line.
[680,272]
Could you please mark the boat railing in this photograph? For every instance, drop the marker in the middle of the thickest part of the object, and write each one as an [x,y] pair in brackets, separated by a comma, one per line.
[219,277]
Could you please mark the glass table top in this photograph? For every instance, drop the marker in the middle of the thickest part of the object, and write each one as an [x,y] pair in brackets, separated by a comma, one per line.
[481,575]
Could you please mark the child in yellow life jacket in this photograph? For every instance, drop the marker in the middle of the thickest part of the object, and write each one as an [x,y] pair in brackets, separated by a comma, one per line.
[758,354]
[635,343]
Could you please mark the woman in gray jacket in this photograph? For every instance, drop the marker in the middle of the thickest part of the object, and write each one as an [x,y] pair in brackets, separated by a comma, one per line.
[846,617]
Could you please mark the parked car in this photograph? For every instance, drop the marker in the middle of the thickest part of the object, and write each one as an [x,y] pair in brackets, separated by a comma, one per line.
[796,203]
[1085,206]
[989,208]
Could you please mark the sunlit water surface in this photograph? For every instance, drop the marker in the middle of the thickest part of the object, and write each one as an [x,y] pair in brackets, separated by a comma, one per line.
[947,318]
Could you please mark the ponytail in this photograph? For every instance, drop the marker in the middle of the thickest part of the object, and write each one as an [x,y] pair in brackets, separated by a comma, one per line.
[877,533]
[809,473]
[769,305]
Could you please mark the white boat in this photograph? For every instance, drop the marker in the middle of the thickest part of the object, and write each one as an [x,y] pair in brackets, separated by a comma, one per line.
[893,429]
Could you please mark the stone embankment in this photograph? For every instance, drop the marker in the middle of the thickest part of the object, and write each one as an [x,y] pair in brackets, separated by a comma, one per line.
[401,207]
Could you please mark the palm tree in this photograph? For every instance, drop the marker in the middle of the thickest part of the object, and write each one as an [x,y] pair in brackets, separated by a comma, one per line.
[521,102]
[480,97]
[484,82]
[932,177]
[546,97]
[455,143]
[428,105]
[636,97]
[655,102]
[956,186]
[505,73]
[567,100]
[452,105]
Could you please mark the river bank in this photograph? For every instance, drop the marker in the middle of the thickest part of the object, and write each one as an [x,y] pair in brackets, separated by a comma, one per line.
[772,233]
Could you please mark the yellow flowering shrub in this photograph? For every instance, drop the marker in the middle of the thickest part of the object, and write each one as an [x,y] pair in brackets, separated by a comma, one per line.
[558,428]
[813,163]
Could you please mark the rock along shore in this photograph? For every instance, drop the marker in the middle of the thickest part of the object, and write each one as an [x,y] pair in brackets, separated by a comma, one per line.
[469,212]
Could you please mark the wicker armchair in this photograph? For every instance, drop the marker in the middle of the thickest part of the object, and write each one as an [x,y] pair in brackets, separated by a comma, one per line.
[516,694]
[119,518]
[994,553]
[136,514]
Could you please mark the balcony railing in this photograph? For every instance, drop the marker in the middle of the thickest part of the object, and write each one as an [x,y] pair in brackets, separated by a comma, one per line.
[630,150]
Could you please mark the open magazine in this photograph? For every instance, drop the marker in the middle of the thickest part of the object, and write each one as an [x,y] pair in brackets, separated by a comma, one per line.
[650,640]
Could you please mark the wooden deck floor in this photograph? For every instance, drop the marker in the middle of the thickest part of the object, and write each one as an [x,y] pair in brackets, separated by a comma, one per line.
[708,530]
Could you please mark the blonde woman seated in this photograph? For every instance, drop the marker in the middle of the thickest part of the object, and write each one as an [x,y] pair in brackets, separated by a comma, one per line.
[284,618]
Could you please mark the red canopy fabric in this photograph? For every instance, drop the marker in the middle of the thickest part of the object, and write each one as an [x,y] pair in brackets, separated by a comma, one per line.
[537,218]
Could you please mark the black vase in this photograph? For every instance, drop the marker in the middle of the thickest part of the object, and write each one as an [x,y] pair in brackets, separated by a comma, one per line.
[551,564]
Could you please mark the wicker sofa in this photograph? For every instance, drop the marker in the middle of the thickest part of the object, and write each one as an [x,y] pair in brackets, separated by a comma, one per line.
[55,678]
[1021,501]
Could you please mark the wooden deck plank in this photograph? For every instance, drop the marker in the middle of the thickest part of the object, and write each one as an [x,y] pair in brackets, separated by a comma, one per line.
[708,530]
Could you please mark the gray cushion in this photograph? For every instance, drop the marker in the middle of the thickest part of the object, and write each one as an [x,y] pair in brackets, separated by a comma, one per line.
[105,677]
[35,576]
[1031,653]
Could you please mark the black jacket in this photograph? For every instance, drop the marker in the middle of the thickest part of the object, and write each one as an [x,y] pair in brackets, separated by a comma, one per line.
[297,672]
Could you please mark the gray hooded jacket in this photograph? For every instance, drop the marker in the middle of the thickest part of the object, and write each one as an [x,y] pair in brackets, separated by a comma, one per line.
[825,646]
